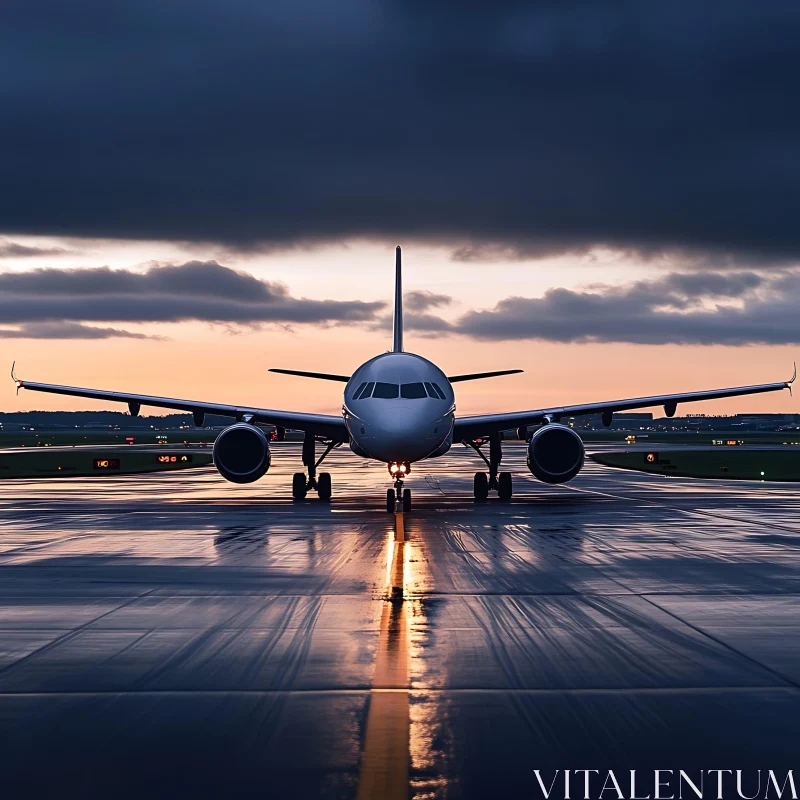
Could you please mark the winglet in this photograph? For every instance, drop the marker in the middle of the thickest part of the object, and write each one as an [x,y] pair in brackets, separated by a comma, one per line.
[14,377]
[792,379]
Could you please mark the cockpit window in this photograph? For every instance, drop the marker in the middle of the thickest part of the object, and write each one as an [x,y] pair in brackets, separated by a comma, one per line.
[434,390]
[390,391]
[386,391]
[412,391]
[365,390]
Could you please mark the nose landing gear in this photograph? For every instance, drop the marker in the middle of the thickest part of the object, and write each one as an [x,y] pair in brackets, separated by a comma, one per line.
[501,481]
[398,471]
[322,482]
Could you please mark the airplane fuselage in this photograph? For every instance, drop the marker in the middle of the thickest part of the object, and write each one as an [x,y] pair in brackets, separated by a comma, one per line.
[399,407]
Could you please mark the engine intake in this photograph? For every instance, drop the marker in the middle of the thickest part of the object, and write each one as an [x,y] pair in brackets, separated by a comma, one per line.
[555,454]
[241,453]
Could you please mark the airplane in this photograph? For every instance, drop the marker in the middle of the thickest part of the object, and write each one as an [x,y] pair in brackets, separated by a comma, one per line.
[399,408]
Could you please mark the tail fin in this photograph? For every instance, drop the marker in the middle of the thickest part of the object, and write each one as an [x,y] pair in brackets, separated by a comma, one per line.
[398,304]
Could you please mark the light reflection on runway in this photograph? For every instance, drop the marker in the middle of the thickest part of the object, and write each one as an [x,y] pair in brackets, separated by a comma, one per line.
[397,738]
[175,635]
[385,756]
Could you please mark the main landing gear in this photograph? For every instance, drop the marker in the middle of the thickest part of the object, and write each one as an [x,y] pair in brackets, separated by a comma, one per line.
[501,481]
[322,482]
[398,471]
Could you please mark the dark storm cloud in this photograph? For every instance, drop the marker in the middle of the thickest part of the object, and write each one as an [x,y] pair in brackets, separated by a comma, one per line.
[522,125]
[10,249]
[68,330]
[204,291]
[721,308]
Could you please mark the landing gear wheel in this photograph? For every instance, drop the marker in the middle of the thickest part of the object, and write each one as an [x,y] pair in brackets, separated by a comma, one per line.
[504,486]
[324,486]
[299,486]
[391,499]
[406,499]
[481,486]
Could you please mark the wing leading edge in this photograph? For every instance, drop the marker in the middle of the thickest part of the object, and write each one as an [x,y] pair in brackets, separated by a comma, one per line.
[319,424]
[467,428]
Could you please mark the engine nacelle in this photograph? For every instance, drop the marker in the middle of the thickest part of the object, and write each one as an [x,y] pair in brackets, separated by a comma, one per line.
[241,453]
[555,453]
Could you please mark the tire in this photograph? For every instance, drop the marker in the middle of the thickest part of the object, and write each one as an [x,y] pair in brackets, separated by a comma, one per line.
[505,486]
[324,486]
[391,498]
[406,499]
[481,486]
[299,486]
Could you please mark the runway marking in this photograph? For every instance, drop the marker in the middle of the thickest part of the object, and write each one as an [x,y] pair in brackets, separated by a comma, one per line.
[385,759]
[398,560]
[399,527]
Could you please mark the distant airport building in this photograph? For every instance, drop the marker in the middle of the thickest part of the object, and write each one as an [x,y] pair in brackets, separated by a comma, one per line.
[691,422]
[621,421]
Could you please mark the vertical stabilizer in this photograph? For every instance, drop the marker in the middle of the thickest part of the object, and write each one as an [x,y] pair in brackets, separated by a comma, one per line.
[398,304]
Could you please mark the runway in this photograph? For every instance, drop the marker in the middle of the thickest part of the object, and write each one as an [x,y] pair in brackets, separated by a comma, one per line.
[175,635]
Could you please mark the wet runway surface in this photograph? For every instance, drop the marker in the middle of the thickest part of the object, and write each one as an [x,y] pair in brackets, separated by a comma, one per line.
[174,634]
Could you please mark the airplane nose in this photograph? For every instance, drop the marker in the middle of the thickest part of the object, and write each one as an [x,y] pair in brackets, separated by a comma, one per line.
[398,429]
[404,435]
[399,422]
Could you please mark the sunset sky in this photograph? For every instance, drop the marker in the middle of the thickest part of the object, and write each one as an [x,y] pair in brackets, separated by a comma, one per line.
[602,196]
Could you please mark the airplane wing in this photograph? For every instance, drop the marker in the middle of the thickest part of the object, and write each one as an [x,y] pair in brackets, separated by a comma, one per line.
[468,428]
[319,424]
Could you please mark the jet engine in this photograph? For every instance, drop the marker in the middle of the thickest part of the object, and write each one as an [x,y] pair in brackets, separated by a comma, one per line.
[555,453]
[241,453]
